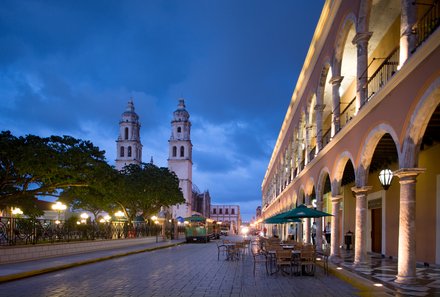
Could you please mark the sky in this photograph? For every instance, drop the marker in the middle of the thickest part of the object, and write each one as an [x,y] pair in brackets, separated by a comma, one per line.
[70,67]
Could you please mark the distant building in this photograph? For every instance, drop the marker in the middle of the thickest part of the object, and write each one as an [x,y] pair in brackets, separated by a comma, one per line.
[128,145]
[258,213]
[229,215]
[180,158]
[201,202]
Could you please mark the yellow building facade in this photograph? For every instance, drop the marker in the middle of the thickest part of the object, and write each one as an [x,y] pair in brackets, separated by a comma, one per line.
[367,99]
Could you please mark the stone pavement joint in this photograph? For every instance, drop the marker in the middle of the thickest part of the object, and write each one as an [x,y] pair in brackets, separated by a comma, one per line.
[34,272]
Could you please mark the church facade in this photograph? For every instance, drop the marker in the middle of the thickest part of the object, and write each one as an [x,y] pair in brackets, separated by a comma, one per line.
[128,144]
[180,158]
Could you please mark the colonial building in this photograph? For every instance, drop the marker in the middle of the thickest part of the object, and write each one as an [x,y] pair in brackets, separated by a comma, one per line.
[367,99]
[128,145]
[201,202]
[180,158]
[229,215]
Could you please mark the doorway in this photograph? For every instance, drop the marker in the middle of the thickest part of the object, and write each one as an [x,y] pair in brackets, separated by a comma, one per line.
[376,230]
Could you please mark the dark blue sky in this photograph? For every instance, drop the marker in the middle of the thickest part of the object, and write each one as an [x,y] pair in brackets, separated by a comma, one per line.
[69,68]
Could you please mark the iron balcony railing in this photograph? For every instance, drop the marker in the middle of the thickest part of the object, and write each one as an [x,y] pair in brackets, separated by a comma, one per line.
[427,24]
[347,114]
[383,73]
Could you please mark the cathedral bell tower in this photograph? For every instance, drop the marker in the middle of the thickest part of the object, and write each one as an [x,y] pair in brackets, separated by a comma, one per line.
[180,157]
[128,145]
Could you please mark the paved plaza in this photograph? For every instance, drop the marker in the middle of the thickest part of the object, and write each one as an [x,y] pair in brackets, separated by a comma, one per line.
[184,270]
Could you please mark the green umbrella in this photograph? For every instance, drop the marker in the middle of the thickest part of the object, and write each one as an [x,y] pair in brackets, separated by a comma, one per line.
[279,219]
[302,211]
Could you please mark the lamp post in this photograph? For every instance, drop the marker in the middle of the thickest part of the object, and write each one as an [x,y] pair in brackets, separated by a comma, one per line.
[14,212]
[385,177]
[156,222]
[58,207]
[84,218]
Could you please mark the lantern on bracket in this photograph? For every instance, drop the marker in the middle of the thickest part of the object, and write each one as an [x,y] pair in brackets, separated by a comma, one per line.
[385,177]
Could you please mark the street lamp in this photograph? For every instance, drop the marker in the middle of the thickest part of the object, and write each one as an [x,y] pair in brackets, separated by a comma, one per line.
[156,222]
[17,211]
[84,217]
[58,207]
[385,177]
[119,214]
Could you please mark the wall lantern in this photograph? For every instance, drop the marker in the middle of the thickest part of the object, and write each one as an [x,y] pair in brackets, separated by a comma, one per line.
[385,177]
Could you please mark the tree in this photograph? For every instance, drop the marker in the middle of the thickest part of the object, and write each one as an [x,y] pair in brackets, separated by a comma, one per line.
[146,188]
[32,166]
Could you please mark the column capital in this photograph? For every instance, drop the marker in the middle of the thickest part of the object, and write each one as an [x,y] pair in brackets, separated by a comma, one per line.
[319,107]
[361,37]
[361,190]
[336,80]
[337,198]
[408,173]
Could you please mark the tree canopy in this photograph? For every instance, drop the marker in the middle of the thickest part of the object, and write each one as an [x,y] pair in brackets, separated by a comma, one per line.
[76,171]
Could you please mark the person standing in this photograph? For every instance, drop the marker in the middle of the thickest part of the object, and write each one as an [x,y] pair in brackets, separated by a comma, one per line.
[291,232]
[328,232]
[314,233]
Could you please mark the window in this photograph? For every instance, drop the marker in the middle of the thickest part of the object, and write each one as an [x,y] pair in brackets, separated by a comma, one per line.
[122,151]
[129,151]
[214,211]
[126,133]
[179,129]
[182,151]
[220,211]
[174,151]
[226,211]
[233,211]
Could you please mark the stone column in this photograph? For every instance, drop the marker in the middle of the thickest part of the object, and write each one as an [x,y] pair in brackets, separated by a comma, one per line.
[336,85]
[360,247]
[300,237]
[406,267]
[307,144]
[319,110]
[318,223]
[361,41]
[307,223]
[335,242]
[408,39]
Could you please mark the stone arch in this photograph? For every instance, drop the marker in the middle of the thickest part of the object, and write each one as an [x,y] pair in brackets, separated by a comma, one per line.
[416,125]
[294,199]
[338,171]
[346,25]
[321,181]
[301,195]
[321,82]
[368,148]
[309,186]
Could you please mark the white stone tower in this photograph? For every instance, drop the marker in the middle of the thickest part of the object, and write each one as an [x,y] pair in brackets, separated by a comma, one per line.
[128,145]
[180,157]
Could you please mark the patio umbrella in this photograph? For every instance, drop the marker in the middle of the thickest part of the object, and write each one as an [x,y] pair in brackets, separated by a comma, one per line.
[279,219]
[302,211]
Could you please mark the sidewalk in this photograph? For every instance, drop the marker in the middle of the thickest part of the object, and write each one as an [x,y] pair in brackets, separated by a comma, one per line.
[13,271]
[383,271]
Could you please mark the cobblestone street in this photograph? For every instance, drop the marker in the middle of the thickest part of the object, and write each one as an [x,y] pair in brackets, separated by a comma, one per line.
[186,270]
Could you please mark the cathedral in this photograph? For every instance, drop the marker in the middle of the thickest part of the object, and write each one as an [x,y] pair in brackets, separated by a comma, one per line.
[129,151]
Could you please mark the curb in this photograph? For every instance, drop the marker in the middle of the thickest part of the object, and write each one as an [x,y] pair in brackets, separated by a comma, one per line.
[366,287]
[21,275]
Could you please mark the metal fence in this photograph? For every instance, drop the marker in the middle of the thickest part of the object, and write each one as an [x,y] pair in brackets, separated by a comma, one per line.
[22,231]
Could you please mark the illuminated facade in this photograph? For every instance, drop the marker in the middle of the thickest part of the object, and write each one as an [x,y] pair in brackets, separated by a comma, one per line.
[128,145]
[180,158]
[229,215]
[367,98]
